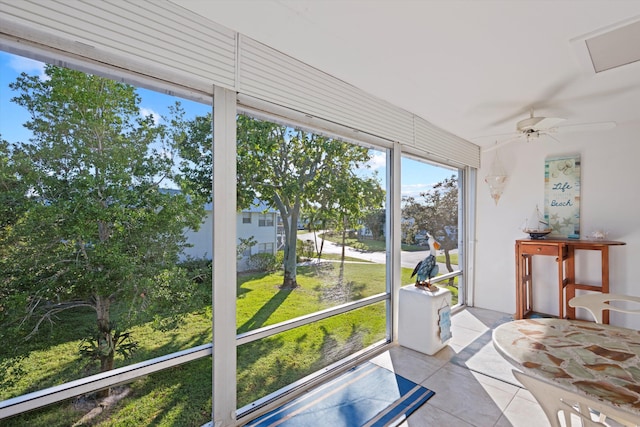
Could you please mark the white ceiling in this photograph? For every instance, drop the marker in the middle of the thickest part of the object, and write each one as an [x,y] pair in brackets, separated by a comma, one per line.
[473,68]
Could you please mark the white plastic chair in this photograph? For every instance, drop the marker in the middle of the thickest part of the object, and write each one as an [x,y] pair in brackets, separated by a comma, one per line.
[596,303]
[573,406]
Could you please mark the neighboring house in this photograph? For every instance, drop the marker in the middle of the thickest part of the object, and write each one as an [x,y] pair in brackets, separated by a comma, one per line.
[264,225]
[259,221]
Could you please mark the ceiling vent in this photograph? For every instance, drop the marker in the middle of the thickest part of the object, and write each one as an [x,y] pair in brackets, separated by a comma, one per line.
[615,48]
[610,47]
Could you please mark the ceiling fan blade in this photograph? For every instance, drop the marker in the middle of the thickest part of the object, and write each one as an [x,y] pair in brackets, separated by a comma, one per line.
[601,95]
[549,122]
[544,100]
[551,136]
[586,127]
[511,117]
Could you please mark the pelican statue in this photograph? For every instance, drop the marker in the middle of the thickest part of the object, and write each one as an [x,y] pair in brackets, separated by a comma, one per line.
[428,267]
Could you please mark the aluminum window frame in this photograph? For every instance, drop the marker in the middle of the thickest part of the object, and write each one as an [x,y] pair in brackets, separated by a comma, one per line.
[130,373]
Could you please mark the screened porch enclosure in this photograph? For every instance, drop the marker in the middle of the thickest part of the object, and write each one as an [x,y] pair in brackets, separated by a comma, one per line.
[278,328]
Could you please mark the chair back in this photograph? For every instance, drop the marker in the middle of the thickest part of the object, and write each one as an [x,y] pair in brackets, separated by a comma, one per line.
[596,303]
[575,409]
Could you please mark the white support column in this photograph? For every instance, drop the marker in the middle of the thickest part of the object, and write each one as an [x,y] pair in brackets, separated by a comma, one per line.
[394,178]
[224,257]
[468,246]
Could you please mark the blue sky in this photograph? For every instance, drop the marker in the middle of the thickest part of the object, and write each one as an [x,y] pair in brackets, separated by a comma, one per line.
[416,176]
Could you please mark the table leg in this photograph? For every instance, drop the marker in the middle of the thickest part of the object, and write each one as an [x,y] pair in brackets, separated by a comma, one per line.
[529,283]
[570,282]
[519,279]
[605,279]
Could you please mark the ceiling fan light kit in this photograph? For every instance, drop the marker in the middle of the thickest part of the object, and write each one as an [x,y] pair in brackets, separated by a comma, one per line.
[536,124]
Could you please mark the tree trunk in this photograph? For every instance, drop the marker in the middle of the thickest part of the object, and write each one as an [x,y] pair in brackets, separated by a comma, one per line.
[106,346]
[344,244]
[321,245]
[447,259]
[315,243]
[290,259]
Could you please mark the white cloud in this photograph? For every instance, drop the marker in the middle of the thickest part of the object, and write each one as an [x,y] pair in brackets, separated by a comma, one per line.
[414,190]
[378,161]
[144,112]
[26,65]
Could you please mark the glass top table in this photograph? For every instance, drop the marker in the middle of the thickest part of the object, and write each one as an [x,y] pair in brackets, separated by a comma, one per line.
[601,362]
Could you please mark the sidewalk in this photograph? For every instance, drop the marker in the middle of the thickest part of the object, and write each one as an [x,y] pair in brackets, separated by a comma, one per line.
[407,259]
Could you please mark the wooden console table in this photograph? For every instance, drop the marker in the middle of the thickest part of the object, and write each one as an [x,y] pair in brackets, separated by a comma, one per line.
[564,251]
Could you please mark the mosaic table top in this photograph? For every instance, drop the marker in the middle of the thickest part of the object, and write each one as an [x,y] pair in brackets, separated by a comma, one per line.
[600,361]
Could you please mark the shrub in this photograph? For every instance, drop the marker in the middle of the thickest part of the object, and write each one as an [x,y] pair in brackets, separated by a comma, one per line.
[305,249]
[263,262]
[198,269]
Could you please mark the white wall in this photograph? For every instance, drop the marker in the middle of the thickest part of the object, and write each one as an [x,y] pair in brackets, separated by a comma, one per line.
[260,234]
[201,239]
[610,200]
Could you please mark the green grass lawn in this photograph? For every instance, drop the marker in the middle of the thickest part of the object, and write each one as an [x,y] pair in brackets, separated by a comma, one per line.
[452,257]
[338,257]
[182,396]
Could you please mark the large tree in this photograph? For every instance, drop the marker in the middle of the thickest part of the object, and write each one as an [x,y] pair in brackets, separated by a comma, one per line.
[375,221]
[12,189]
[437,213]
[13,204]
[348,198]
[284,167]
[98,229]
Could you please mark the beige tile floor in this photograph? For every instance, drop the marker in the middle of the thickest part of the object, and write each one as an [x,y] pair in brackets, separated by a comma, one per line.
[473,383]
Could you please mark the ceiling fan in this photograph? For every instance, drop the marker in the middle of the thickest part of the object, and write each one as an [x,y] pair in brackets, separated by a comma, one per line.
[535,126]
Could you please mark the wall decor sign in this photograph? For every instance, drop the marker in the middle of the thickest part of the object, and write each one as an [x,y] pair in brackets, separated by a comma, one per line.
[562,196]
[444,323]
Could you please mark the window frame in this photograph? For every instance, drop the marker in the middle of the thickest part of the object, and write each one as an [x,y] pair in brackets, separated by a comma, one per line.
[265,219]
[265,248]
[129,373]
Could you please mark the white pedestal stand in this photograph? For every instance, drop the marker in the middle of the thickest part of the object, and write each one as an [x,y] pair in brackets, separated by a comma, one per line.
[419,325]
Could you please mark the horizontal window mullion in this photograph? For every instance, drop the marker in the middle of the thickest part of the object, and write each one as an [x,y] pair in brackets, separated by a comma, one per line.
[270,330]
[447,276]
[317,378]
[40,398]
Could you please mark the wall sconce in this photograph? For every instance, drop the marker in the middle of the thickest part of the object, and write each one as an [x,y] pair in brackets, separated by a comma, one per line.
[496,179]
